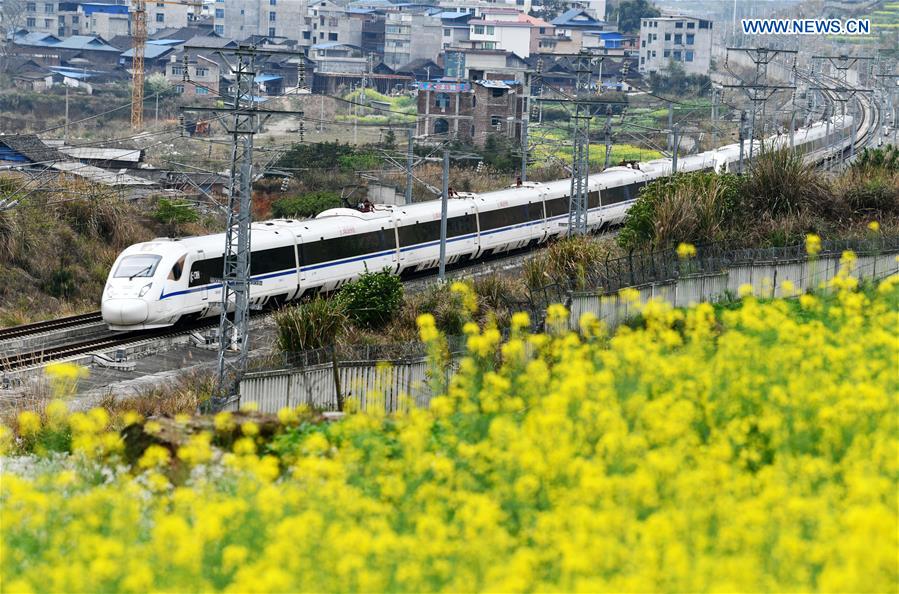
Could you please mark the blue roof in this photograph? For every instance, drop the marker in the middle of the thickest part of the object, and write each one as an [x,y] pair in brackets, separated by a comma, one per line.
[86,42]
[39,39]
[264,78]
[150,51]
[576,17]
[165,41]
[70,73]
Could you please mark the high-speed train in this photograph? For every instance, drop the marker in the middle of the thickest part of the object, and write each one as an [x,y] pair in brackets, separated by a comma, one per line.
[156,283]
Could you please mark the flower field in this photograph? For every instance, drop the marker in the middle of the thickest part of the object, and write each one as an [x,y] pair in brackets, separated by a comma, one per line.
[746,447]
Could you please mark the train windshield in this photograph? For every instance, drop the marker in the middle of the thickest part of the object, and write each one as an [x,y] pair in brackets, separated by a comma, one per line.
[137,266]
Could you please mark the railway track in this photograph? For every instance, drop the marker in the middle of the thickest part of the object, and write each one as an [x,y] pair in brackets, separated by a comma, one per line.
[21,361]
[26,330]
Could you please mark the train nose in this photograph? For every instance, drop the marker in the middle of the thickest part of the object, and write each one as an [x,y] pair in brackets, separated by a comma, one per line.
[125,312]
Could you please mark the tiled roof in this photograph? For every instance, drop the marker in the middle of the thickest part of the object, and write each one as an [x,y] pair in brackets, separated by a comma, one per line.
[32,148]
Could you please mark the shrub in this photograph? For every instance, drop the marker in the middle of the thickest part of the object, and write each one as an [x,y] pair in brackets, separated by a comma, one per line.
[311,325]
[692,208]
[372,300]
[174,212]
[566,261]
[780,182]
[305,206]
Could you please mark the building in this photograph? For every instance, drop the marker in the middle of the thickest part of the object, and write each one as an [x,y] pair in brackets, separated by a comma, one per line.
[469,110]
[200,77]
[326,22]
[570,28]
[410,36]
[682,39]
[239,19]
[506,29]
[77,50]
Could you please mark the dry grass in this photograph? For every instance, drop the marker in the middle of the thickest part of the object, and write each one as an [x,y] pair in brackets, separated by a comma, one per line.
[182,395]
[568,261]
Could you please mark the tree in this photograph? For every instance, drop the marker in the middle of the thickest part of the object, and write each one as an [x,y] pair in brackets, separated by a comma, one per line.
[389,141]
[631,12]
[550,9]
[12,15]
[305,206]
[373,299]
[157,83]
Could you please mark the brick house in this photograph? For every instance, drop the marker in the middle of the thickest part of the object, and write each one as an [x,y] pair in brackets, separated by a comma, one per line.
[469,110]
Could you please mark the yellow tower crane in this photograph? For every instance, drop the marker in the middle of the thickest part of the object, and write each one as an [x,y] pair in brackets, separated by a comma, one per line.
[139,42]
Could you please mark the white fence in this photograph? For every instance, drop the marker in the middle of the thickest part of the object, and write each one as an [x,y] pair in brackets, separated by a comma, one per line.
[765,278]
[385,385]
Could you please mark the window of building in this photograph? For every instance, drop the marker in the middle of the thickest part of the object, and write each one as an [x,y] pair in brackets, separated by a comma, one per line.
[219,13]
[489,45]
[690,38]
[496,121]
[160,17]
[75,19]
[642,60]
[219,29]
[62,20]
[160,5]
[497,92]
[272,16]
[677,55]
[48,23]
[678,38]
[679,25]
[306,34]
[179,89]
[75,32]
[177,70]
[332,36]
[705,25]
[542,30]
[441,126]
[643,43]
[442,100]
[691,25]
[201,72]
[667,36]
[201,90]
[653,53]
[272,2]
[666,54]
[48,8]
[30,7]
[490,29]
[688,56]
[479,29]
[447,32]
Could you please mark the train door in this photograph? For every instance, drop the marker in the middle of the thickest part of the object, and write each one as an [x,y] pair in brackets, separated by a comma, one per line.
[199,262]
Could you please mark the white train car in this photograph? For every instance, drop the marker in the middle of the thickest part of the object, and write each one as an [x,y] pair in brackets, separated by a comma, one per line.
[156,283]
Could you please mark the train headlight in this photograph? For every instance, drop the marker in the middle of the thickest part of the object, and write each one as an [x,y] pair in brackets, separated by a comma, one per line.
[145,289]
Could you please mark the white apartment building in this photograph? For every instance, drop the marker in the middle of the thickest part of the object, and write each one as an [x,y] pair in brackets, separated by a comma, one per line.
[326,22]
[410,36]
[682,39]
[168,16]
[239,19]
[506,29]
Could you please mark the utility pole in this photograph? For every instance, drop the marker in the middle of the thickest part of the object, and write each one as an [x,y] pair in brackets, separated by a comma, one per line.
[410,155]
[525,114]
[844,93]
[444,199]
[716,98]
[139,37]
[608,136]
[236,273]
[670,124]
[674,133]
[742,133]
[66,134]
[758,90]
[580,166]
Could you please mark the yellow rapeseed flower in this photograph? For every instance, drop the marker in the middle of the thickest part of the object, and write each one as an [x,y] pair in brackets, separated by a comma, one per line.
[874,226]
[29,423]
[686,250]
[812,244]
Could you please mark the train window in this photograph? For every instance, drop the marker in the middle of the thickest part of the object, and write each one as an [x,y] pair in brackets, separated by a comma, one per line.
[339,248]
[272,260]
[614,195]
[143,265]
[177,269]
[430,230]
[557,206]
[503,217]
[203,271]
[593,199]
